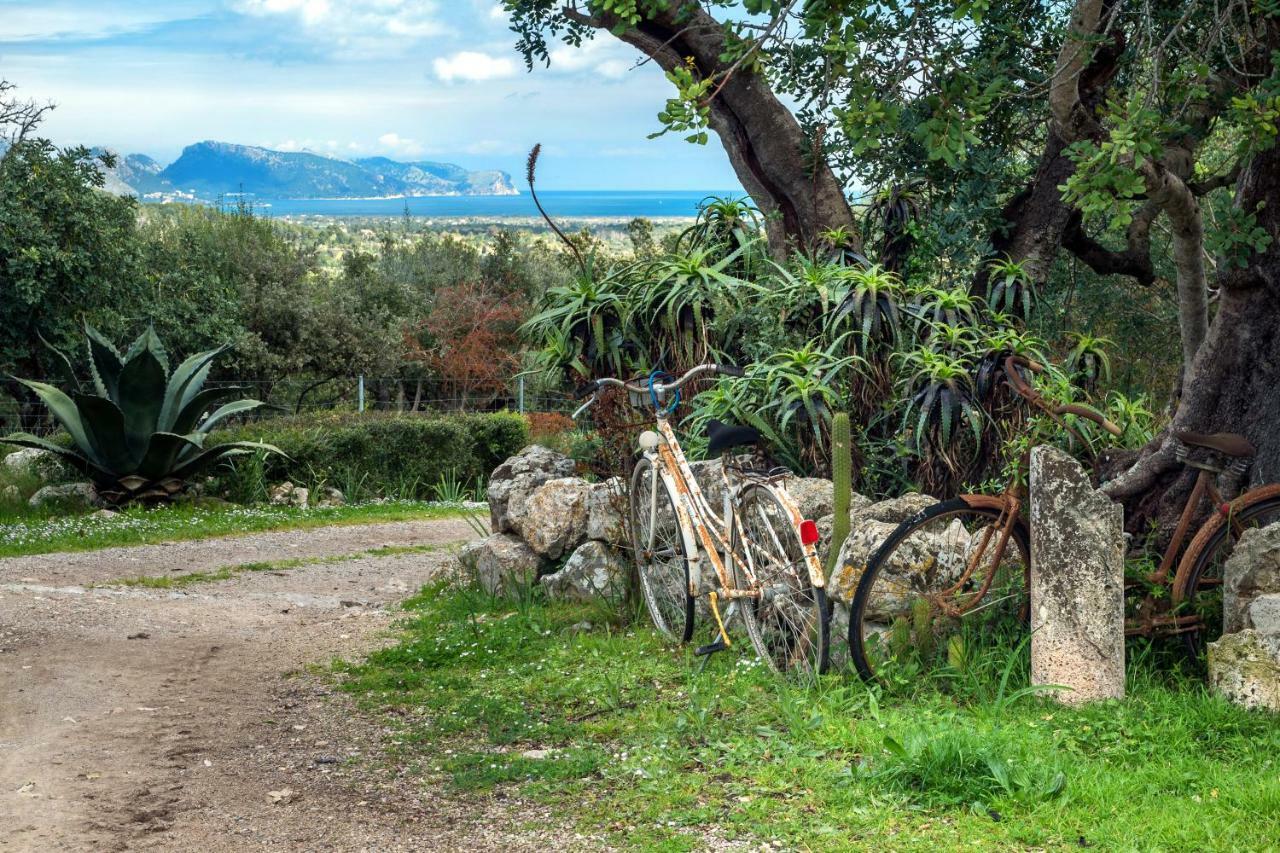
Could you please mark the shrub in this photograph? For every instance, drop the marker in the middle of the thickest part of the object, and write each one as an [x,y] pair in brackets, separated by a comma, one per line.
[374,454]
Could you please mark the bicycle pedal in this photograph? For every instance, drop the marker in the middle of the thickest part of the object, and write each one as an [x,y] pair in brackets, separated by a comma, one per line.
[710,648]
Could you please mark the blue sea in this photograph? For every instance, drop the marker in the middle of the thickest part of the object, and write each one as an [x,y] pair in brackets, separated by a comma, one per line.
[612,204]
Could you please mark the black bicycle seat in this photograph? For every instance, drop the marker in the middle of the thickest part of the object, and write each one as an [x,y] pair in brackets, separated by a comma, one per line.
[724,436]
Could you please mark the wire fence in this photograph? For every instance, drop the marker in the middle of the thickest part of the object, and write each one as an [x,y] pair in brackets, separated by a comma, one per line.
[297,396]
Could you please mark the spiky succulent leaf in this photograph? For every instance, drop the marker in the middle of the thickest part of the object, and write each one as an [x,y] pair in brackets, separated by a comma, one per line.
[233,408]
[113,447]
[184,384]
[164,454]
[148,341]
[141,391]
[190,414]
[64,411]
[105,363]
[199,460]
[63,362]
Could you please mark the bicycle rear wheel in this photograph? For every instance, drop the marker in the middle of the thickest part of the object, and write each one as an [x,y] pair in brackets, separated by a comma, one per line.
[788,624]
[935,590]
[658,544]
[1202,591]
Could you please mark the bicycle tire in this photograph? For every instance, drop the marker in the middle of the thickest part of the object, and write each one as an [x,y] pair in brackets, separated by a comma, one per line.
[664,584]
[977,506]
[791,629]
[1192,587]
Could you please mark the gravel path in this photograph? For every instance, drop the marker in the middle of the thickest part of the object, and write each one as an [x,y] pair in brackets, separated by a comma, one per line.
[180,720]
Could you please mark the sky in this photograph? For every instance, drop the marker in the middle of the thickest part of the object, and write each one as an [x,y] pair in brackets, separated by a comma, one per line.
[408,79]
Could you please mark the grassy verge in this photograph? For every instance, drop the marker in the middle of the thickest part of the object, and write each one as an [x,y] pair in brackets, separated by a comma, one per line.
[228,572]
[614,727]
[140,526]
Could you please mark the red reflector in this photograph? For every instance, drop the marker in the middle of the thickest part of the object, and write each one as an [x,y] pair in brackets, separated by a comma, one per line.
[808,532]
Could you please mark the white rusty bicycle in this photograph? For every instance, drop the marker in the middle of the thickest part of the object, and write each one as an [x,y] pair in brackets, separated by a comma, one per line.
[765,565]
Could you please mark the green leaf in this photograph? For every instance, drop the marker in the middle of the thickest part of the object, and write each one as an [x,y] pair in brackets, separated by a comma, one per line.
[64,363]
[192,464]
[64,411]
[141,391]
[190,414]
[185,383]
[105,363]
[163,453]
[233,408]
[104,426]
[150,342]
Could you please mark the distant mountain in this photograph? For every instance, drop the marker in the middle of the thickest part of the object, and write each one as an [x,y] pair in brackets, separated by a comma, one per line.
[207,170]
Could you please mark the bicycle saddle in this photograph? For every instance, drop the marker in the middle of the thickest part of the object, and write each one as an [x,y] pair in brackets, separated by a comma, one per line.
[1223,442]
[723,436]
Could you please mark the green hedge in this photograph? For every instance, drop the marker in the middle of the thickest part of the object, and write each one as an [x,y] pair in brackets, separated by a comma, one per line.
[374,454]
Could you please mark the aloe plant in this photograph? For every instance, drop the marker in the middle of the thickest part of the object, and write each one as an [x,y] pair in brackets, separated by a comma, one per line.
[138,431]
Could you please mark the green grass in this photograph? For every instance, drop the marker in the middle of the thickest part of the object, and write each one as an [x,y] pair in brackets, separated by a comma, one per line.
[645,749]
[228,572]
[139,525]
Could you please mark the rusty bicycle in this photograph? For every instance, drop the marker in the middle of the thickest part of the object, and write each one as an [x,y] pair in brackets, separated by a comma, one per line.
[956,576]
[761,551]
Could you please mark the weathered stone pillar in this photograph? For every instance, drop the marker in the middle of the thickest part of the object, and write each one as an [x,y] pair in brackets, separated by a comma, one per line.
[1077,582]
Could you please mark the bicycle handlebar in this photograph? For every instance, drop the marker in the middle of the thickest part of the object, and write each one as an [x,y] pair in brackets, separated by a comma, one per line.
[643,387]
[1031,395]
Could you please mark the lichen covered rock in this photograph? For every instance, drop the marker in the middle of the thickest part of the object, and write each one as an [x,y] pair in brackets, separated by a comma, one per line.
[512,482]
[1253,569]
[593,571]
[554,518]
[501,564]
[1244,667]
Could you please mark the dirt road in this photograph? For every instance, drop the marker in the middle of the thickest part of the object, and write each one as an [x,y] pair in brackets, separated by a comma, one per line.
[177,720]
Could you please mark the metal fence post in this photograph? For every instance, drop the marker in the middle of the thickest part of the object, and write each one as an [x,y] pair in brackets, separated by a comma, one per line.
[520,393]
[360,394]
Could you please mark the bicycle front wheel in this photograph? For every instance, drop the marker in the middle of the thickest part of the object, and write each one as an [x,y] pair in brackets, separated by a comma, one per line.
[788,623]
[949,585]
[657,541]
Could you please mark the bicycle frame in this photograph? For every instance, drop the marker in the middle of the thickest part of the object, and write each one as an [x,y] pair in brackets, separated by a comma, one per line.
[699,523]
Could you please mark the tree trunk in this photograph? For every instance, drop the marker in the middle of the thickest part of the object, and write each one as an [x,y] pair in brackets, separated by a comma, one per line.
[794,187]
[1233,384]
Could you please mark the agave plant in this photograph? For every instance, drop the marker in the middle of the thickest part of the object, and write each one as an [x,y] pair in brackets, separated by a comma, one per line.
[1088,363]
[587,312]
[1009,288]
[942,399]
[892,216]
[871,307]
[731,222]
[142,430]
[953,307]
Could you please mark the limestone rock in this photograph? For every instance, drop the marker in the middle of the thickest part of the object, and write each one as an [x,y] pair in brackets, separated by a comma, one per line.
[947,547]
[1253,569]
[606,506]
[71,496]
[287,494]
[329,496]
[502,564]
[554,519]
[894,510]
[813,495]
[826,522]
[35,462]
[1264,613]
[512,482]
[593,571]
[1077,582]
[1245,668]
[710,477]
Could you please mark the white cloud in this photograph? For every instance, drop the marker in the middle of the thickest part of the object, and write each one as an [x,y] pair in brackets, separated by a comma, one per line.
[473,65]
[360,27]
[398,144]
[607,58]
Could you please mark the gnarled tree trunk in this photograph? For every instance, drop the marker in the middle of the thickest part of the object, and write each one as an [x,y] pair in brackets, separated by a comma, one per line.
[1233,384]
[798,193]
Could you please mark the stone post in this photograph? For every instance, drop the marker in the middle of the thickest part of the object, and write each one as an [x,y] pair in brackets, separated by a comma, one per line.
[1077,582]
